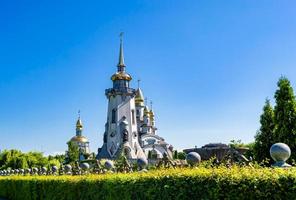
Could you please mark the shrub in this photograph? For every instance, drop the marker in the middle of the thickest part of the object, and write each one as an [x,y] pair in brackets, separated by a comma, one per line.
[181,183]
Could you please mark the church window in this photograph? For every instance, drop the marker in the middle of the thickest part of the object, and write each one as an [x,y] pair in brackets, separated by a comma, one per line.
[133,116]
[113,115]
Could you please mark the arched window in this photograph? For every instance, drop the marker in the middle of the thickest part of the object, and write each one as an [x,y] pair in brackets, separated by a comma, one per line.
[113,116]
[133,116]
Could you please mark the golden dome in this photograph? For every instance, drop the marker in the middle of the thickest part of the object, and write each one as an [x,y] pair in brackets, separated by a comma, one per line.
[146,111]
[151,113]
[81,139]
[121,76]
[139,99]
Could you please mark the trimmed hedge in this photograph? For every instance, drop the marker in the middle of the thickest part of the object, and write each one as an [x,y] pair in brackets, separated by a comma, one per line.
[186,183]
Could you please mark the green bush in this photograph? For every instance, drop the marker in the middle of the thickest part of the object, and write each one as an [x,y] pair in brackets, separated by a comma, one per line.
[183,183]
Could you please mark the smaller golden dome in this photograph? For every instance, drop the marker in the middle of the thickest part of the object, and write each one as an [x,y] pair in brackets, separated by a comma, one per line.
[81,139]
[121,76]
[146,111]
[139,99]
[151,113]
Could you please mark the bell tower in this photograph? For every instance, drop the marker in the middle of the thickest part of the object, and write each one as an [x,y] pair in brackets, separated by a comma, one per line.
[121,132]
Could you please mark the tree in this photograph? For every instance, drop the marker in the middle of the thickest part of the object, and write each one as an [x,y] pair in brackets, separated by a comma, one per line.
[265,136]
[73,152]
[21,163]
[54,162]
[16,159]
[285,115]
[181,155]
[236,144]
[60,157]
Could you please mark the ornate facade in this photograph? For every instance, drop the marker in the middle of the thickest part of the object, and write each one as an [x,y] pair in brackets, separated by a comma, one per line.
[130,127]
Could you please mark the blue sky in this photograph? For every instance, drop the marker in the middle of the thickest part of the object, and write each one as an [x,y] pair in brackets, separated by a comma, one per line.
[207,65]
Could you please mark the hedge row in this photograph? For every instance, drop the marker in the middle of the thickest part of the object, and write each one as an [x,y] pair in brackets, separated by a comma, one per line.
[198,183]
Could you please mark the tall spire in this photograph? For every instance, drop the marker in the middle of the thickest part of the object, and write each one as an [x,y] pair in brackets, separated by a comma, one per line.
[121,64]
[121,74]
[79,125]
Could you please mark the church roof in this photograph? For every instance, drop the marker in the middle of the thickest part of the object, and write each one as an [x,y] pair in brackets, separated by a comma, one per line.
[121,76]
[81,139]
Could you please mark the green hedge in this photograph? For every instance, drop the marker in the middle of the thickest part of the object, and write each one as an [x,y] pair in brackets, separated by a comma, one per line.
[198,183]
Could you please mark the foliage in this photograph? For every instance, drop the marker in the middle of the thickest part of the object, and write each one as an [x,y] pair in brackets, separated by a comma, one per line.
[278,124]
[72,153]
[16,159]
[285,115]
[236,144]
[250,152]
[181,183]
[239,144]
[181,155]
[60,157]
[265,136]
[122,163]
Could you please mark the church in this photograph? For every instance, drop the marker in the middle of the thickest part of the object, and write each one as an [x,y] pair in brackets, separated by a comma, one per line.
[130,128]
[80,140]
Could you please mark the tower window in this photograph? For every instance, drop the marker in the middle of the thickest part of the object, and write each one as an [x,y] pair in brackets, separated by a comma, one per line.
[113,116]
[133,116]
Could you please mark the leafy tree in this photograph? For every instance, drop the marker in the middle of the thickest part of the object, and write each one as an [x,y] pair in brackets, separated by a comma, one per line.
[285,115]
[36,159]
[60,157]
[54,162]
[181,155]
[250,152]
[73,152]
[15,159]
[236,144]
[265,136]
[21,163]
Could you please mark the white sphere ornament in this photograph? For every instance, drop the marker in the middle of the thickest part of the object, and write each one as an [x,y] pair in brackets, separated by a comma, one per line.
[109,165]
[280,152]
[142,162]
[84,166]
[193,158]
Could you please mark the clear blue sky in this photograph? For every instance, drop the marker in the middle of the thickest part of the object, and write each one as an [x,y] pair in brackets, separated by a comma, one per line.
[207,65]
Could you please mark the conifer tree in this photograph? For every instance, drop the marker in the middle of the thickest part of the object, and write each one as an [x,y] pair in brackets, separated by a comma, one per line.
[265,136]
[285,115]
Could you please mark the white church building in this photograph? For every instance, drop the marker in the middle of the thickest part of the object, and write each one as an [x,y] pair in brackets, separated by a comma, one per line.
[130,127]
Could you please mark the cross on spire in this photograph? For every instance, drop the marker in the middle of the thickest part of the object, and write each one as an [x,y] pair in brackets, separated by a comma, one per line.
[78,114]
[139,80]
[151,104]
